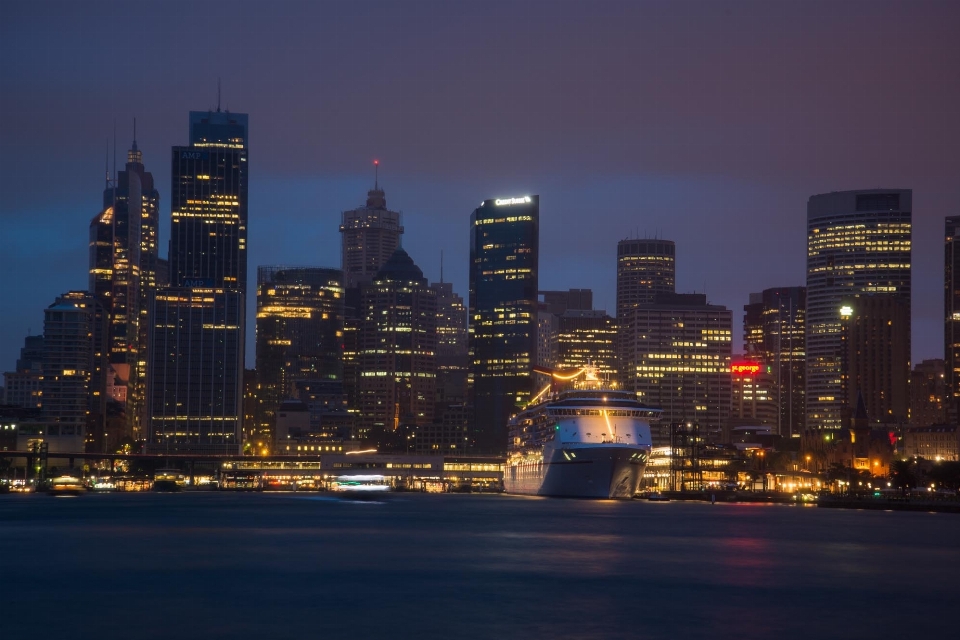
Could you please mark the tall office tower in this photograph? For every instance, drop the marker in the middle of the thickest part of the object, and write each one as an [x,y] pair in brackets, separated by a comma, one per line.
[397,348]
[370,235]
[678,358]
[72,361]
[928,394]
[951,312]
[646,268]
[122,276]
[196,372]
[548,328]
[504,253]
[452,348]
[21,387]
[587,337]
[858,242]
[299,335]
[549,309]
[195,387]
[774,336]
[877,363]
[208,228]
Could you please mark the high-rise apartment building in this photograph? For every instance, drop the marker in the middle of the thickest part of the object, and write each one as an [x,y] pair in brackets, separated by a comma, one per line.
[123,278]
[678,359]
[195,386]
[877,364]
[452,347]
[774,336]
[858,243]
[397,348]
[951,312]
[299,335]
[504,251]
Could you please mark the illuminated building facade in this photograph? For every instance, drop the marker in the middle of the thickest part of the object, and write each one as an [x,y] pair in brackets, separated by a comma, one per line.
[951,309]
[299,333]
[72,362]
[646,268]
[935,442]
[123,277]
[858,242]
[208,228]
[452,348]
[397,348]
[195,382]
[753,389]
[878,357]
[587,338]
[678,359]
[369,236]
[774,335]
[928,394]
[195,389]
[504,253]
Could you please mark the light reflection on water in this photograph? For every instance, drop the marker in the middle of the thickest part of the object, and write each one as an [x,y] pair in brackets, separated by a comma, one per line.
[420,566]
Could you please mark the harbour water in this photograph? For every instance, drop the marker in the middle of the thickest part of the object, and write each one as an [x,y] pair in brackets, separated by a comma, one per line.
[285,565]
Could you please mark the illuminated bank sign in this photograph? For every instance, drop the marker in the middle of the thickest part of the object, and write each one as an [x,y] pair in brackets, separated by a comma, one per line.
[745,368]
[500,202]
[193,155]
[198,283]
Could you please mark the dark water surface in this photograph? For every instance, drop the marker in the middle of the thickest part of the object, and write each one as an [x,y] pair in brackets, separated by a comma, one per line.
[217,565]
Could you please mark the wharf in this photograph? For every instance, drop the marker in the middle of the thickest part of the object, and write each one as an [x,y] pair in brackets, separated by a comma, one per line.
[890,503]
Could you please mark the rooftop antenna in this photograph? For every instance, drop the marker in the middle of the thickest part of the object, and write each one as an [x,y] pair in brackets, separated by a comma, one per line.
[218,95]
[441,266]
[376,175]
[114,150]
[134,134]
[106,164]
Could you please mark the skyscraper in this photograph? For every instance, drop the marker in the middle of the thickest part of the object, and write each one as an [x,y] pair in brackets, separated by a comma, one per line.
[196,357]
[397,348]
[646,268]
[928,394]
[858,243]
[370,235]
[21,387]
[951,312]
[678,359]
[452,348]
[123,278]
[587,337]
[299,333]
[774,336]
[70,369]
[504,253]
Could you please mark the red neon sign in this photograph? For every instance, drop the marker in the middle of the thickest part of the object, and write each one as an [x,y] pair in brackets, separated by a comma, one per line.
[745,368]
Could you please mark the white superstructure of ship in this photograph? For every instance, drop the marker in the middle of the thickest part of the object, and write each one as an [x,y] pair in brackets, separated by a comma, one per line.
[589,440]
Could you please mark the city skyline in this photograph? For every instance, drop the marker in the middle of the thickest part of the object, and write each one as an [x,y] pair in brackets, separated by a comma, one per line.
[703,177]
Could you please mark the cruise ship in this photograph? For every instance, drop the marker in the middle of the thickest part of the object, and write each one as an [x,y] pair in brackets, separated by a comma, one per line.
[588,441]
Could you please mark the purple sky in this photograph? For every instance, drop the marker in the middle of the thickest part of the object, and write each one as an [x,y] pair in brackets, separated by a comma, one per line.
[709,123]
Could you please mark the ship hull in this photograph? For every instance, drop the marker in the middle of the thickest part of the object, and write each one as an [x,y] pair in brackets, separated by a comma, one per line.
[582,472]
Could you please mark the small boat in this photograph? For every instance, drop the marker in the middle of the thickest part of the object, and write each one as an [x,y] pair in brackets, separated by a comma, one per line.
[168,480]
[656,496]
[66,486]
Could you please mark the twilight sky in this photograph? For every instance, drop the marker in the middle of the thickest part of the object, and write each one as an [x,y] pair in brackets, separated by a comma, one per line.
[709,123]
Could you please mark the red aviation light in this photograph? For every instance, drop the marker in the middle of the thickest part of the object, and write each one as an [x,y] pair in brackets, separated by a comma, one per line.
[745,368]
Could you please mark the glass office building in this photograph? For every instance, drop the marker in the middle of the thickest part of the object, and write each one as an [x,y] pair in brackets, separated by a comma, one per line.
[504,252]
